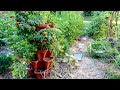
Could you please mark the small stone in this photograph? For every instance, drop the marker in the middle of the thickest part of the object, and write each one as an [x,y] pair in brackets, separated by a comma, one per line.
[78,56]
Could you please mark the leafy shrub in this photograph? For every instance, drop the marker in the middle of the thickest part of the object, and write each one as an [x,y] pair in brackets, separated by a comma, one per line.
[117,60]
[53,39]
[102,49]
[5,62]
[7,27]
[19,69]
[88,13]
[112,75]
[2,43]
[70,23]
[99,26]
[23,49]
[60,44]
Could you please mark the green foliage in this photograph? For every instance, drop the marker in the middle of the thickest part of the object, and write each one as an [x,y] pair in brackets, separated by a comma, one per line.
[99,26]
[2,42]
[19,69]
[71,60]
[5,62]
[53,39]
[43,39]
[23,49]
[117,60]
[70,23]
[112,75]
[7,27]
[101,49]
[88,13]
[60,44]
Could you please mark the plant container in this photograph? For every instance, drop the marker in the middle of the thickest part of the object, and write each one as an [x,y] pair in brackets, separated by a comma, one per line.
[33,64]
[40,64]
[31,72]
[41,54]
[49,54]
[42,26]
[41,73]
[47,62]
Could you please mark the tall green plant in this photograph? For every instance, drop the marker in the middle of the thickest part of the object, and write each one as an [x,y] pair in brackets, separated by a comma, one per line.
[70,23]
[99,26]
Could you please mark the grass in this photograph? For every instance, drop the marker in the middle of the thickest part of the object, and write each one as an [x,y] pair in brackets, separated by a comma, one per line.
[111,74]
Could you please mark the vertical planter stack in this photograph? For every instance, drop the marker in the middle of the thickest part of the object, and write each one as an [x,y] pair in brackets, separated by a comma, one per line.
[26,31]
[40,68]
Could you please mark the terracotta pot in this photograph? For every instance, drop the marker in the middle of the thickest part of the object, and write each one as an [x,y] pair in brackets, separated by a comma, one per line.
[40,64]
[31,72]
[33,64]
[41,54]
[42,26]
[49,54]
[41,73]
[47,62]
[37,28]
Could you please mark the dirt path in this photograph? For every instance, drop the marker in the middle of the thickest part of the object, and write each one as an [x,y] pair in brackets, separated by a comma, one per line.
[88,69]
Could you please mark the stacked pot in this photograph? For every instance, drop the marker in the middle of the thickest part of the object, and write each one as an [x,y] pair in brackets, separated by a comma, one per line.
[40,68]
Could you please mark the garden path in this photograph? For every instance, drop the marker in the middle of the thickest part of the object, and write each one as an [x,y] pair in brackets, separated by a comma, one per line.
[88,68]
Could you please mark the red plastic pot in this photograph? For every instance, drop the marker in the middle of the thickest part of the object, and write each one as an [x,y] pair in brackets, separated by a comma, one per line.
[31,72]
[41,74]
[37,28]
[41,54]
[49,54]
[40,64]
[33,64]
[42,26]
[47,62]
